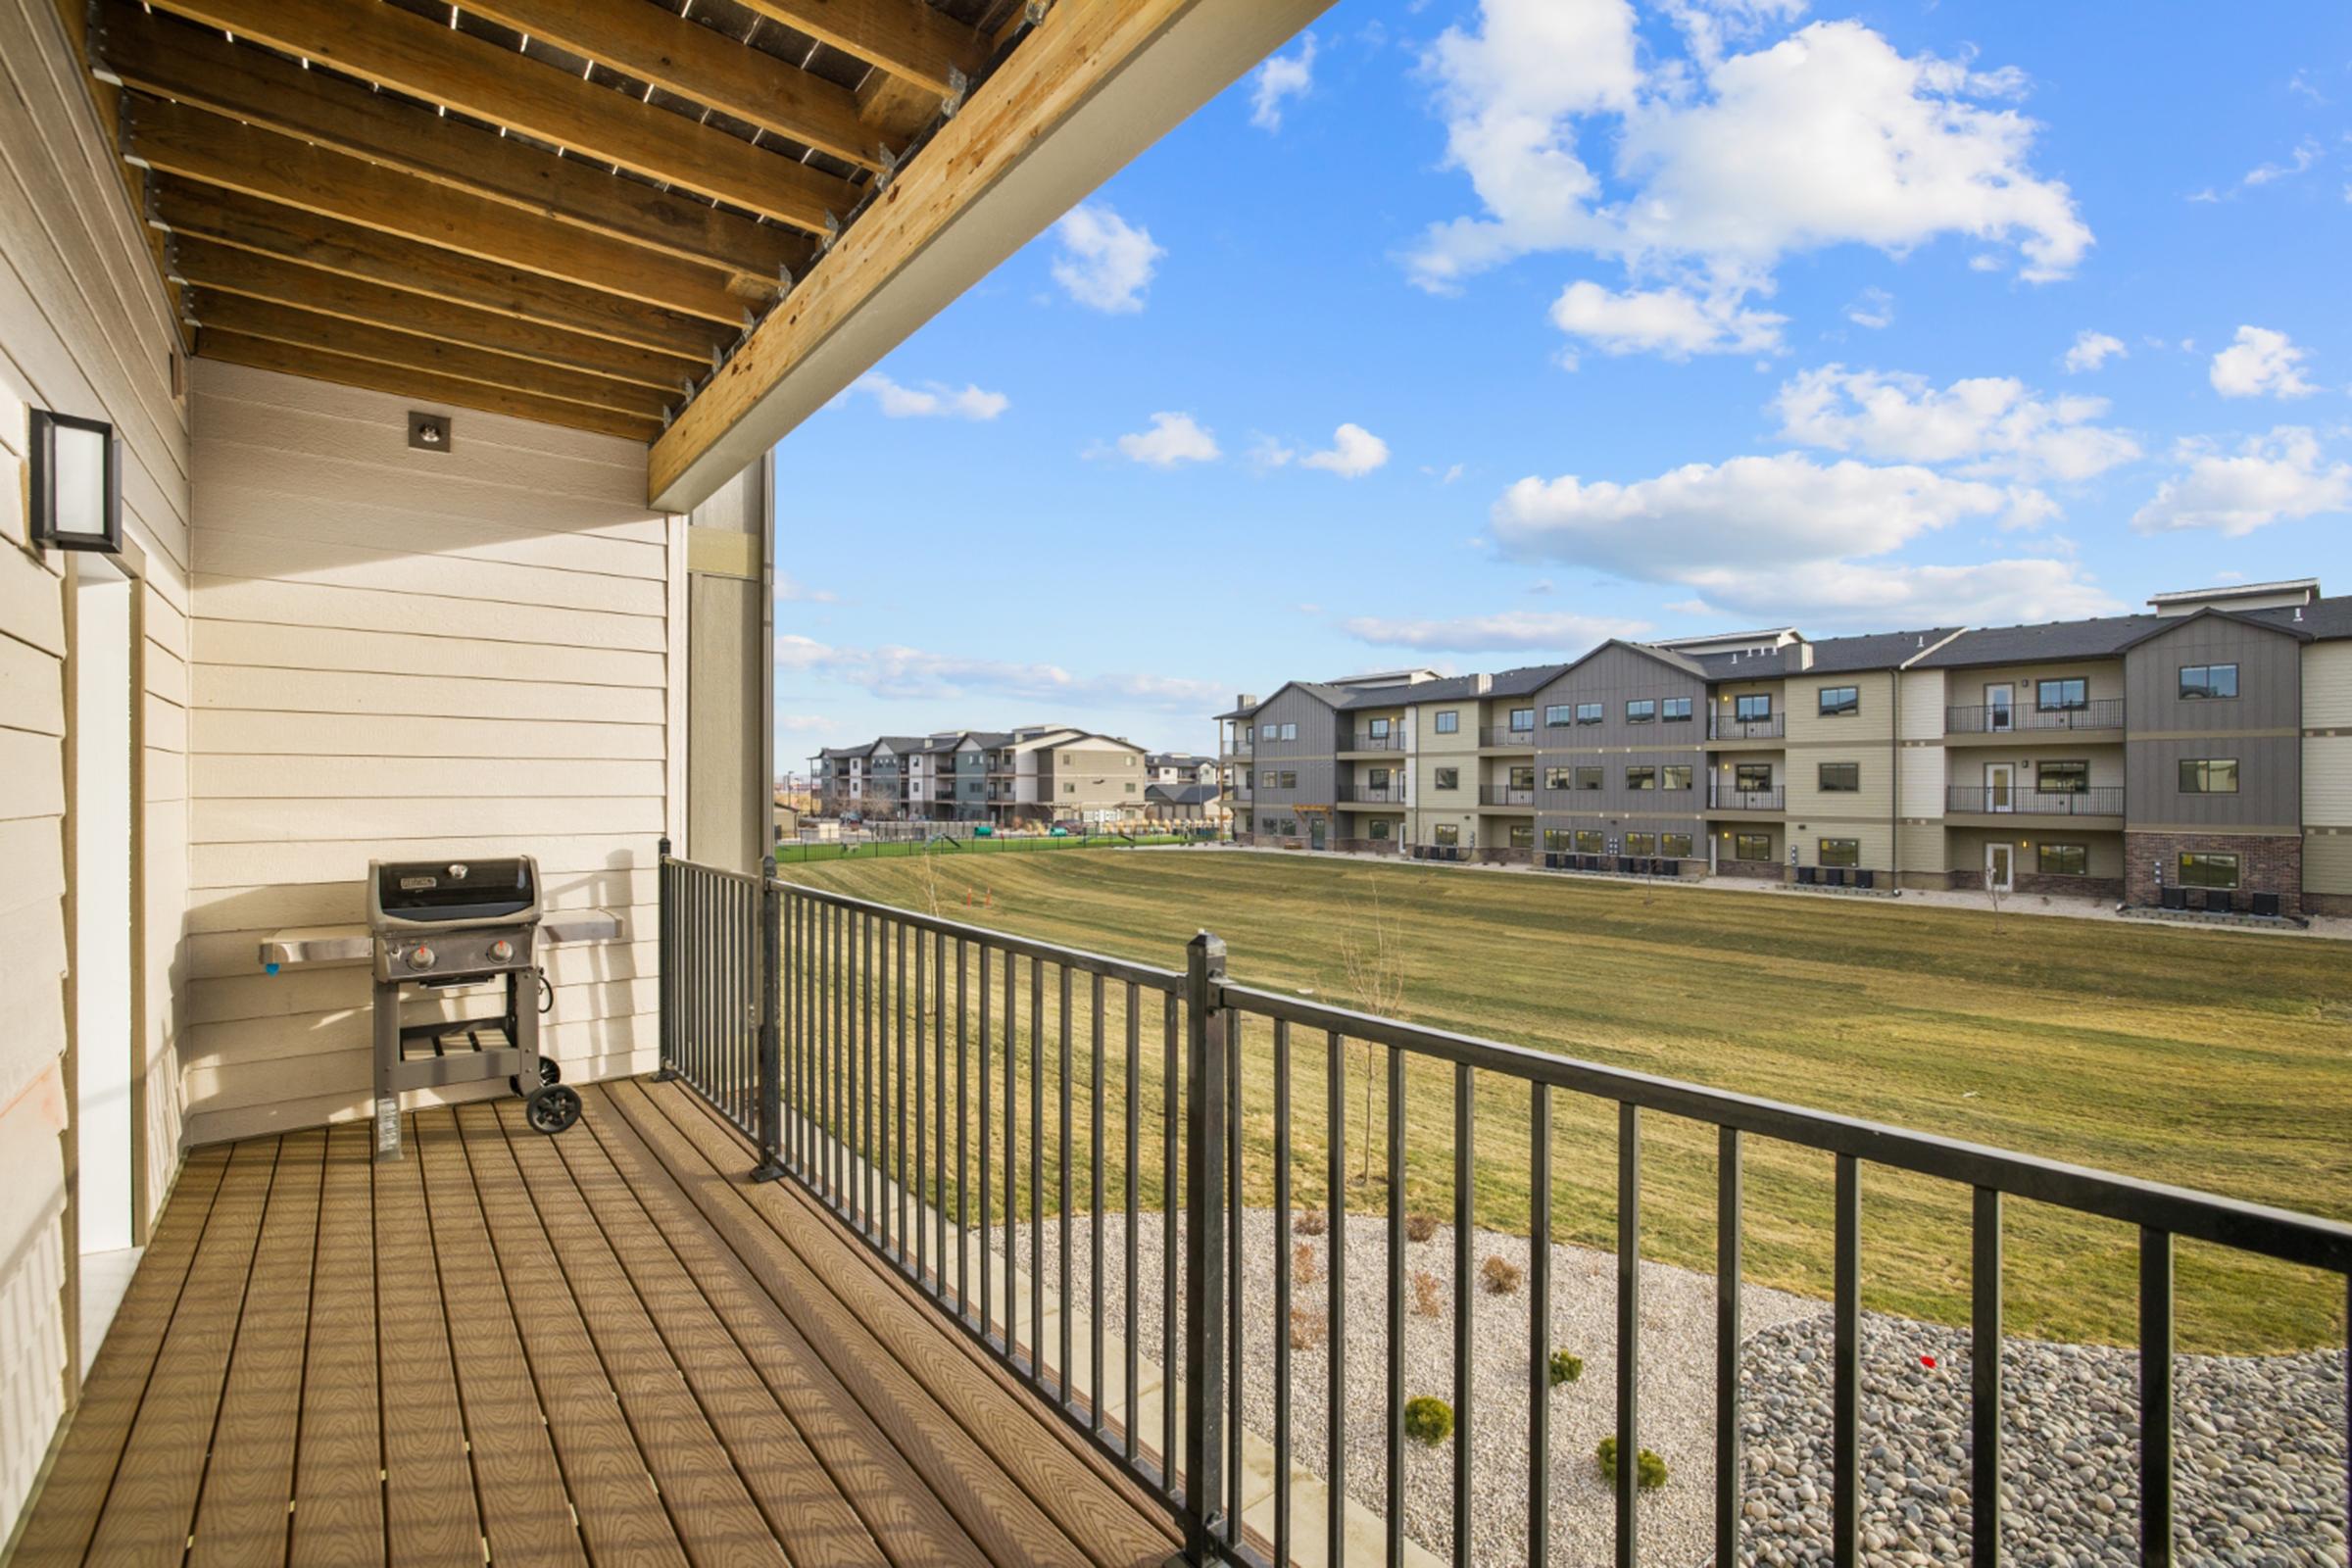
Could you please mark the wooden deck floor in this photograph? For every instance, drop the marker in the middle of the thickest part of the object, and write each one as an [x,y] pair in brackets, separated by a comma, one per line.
[604,1348]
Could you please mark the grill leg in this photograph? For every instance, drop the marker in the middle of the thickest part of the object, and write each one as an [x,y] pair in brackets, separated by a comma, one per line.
[386,1020]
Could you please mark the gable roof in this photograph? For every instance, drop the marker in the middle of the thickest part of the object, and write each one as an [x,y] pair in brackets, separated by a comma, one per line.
[1879,649]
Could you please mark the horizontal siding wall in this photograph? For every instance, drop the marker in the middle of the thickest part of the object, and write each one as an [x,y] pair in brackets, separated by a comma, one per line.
[85,329]
[404,654]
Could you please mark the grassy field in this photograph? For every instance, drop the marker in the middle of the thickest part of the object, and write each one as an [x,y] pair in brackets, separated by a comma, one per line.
[817,852]
[2211,1060]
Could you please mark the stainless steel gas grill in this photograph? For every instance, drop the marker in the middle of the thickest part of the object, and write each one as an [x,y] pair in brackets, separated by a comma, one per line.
[438,926]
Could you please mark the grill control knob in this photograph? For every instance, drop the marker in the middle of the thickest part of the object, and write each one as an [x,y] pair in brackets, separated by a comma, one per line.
[420,957]
[501,951]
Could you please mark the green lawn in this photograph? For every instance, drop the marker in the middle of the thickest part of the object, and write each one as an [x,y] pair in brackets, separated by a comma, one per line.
[804,854]
[2205,1058]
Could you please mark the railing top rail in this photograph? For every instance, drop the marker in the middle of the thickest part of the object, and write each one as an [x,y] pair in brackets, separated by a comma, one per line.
[2277,1233]
[1142,974]
[747,878]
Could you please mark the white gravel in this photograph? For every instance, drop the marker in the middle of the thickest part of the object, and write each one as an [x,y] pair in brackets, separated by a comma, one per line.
[2261,1450]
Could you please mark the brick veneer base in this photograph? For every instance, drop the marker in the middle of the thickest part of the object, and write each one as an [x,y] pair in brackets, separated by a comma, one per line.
[2265,864]
[2330,903]
[1755,870]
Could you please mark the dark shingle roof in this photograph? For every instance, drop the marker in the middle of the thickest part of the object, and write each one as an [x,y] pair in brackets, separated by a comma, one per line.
[2323,619]
[1881,649]
[2102,638]
[1181,794]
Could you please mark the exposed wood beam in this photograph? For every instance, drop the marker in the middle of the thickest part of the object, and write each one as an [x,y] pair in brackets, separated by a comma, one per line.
[426,273]
[431,60]
[196,67]
[904,37]
[895,106]
[179,140]
[222,270]
[695,62]
[282,323]
[344,370]
[1088,89]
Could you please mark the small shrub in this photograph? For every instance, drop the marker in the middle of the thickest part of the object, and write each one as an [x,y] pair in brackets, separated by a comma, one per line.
[1310,1222]
[1500,1274]
[1307,1328]
[1429,1299]
[1420,1227]
[1566,1367]
[1303,1268]
[1427,1421]
[1649,1471]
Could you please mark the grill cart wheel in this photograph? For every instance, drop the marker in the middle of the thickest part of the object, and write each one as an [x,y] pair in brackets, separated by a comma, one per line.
[549,1073]
[552,1108]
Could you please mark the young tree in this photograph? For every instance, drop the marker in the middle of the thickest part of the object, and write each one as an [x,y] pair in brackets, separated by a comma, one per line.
[1372,957]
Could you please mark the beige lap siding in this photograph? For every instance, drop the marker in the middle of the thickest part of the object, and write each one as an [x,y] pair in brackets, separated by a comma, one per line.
[408,654]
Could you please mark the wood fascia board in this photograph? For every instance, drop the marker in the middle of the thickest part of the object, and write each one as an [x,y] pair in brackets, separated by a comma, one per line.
[1091,87]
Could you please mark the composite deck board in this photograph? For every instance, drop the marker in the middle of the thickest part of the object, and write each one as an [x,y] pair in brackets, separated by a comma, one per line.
[605,1347]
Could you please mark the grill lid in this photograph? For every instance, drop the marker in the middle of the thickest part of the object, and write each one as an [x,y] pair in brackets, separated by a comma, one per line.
[452,891]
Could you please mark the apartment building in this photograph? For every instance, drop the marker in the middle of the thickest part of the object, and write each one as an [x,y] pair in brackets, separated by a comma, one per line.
[1036,773]
[2198,751]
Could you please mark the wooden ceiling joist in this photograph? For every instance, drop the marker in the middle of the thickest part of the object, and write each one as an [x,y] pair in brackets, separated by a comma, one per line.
[345,370]
[904,37]
[694,62]
[222,270]
[204,69]
[282,323]
[421,277]
[447,66]
[195,145]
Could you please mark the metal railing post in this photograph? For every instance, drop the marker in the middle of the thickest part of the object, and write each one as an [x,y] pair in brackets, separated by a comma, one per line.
[666,1065]
[770,1069]
[1205,1114]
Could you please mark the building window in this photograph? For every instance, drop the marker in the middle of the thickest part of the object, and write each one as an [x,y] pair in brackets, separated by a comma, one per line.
[1641,844]
[1840,702]
[1588,713]
[1675,711]
[1523,778]
[1379,730]
[1445,722]
[1588,841]
[1841,778]
[1523,719]
[1069,788]
[1446,833]
[1754,707]
[2061,696]
[1131,787]
[2208,775]
[1674,776]
[1753,847]
[1523,835]
[1449,778]
[2062,778]
[1379,828]
[2208,680]
[1249,778]
[1290,732]
[1558,778]
[2208,870]
[1641,779]
[1675,846]
[1588,778]
[1378,778]
[1750,778]
[1842,851]
[1556,838]
[1289,779]
[2062,860]
[1641,711]
[1557,713]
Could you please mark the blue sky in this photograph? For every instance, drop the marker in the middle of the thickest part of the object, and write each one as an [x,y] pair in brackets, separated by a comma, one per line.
[1472,332]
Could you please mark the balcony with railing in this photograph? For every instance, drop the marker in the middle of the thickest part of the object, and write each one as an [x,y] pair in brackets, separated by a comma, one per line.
[1366,741]
[1497,735]
[1519,795]
[1371,793]
[2099,713]
[2002,799]
[1766,727]
[1722,797]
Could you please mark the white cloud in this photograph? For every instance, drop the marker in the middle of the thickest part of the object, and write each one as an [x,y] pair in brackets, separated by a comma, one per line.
[1875,597]
[1282,77]
[2268,479]
[1875,310]
[2093,349]
[792,591]
[1173,438]
[1988,424]
[1105,263]
[932,400]
[900,673]
[1672,321]
[1563,632]
[1827,136]
[1266,454]
[2307,153]
[2261,362]
[1353,452]
[1708,24]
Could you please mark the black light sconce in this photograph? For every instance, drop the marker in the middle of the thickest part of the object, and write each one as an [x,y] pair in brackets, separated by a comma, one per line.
[77,483]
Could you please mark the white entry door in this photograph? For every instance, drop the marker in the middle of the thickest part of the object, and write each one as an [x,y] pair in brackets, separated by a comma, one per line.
[1998,868]
[2000,708]
[2000,787]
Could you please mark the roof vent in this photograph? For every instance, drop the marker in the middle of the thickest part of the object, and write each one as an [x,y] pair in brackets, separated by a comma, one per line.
[1923,639]
[2298,612]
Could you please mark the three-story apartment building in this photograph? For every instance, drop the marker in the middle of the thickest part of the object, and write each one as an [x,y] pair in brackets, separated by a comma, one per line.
[2201,751]
[1037,774]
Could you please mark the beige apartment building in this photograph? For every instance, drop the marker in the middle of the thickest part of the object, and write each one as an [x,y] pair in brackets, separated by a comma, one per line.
[2199,754]
[1036,773]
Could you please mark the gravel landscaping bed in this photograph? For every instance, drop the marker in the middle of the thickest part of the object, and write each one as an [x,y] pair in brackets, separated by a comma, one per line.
[2260,1446]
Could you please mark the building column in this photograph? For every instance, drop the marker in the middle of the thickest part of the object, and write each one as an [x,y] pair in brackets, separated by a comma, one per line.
[730,670]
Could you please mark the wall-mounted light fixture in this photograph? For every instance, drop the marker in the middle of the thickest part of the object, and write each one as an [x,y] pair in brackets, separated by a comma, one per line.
[77,483]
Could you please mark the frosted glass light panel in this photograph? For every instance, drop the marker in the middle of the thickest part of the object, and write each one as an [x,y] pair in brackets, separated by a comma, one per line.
[77,483]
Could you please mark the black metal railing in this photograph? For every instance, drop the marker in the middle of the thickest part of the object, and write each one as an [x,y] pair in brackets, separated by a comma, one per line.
[1492,735]
[1724,727]
[1722,797]
[718,1002]
[1506,794]
[1373,794]
[934,1075]
[2104,713]
[2102,799]
[1363,741]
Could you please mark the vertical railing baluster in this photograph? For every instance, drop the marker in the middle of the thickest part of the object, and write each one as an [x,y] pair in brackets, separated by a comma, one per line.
[1206,1110]
[988,1135]
[1465,1215]
[922,1138]
[964,1170]
[1134,1130]
[665,981]
[939,1108]
[870,1063]
[1984,1381]
[1728,1204]
[1094,1252]
[2155,1397]
[1845,1395]
[1334,1305]
[1170,1079]
[769,1073]
[1236,1348]
[898,1018]
[1062,1231]
[1629,1326]
[1282,1290]
[1539,1326]
[1012,1162]
[1394,1438]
